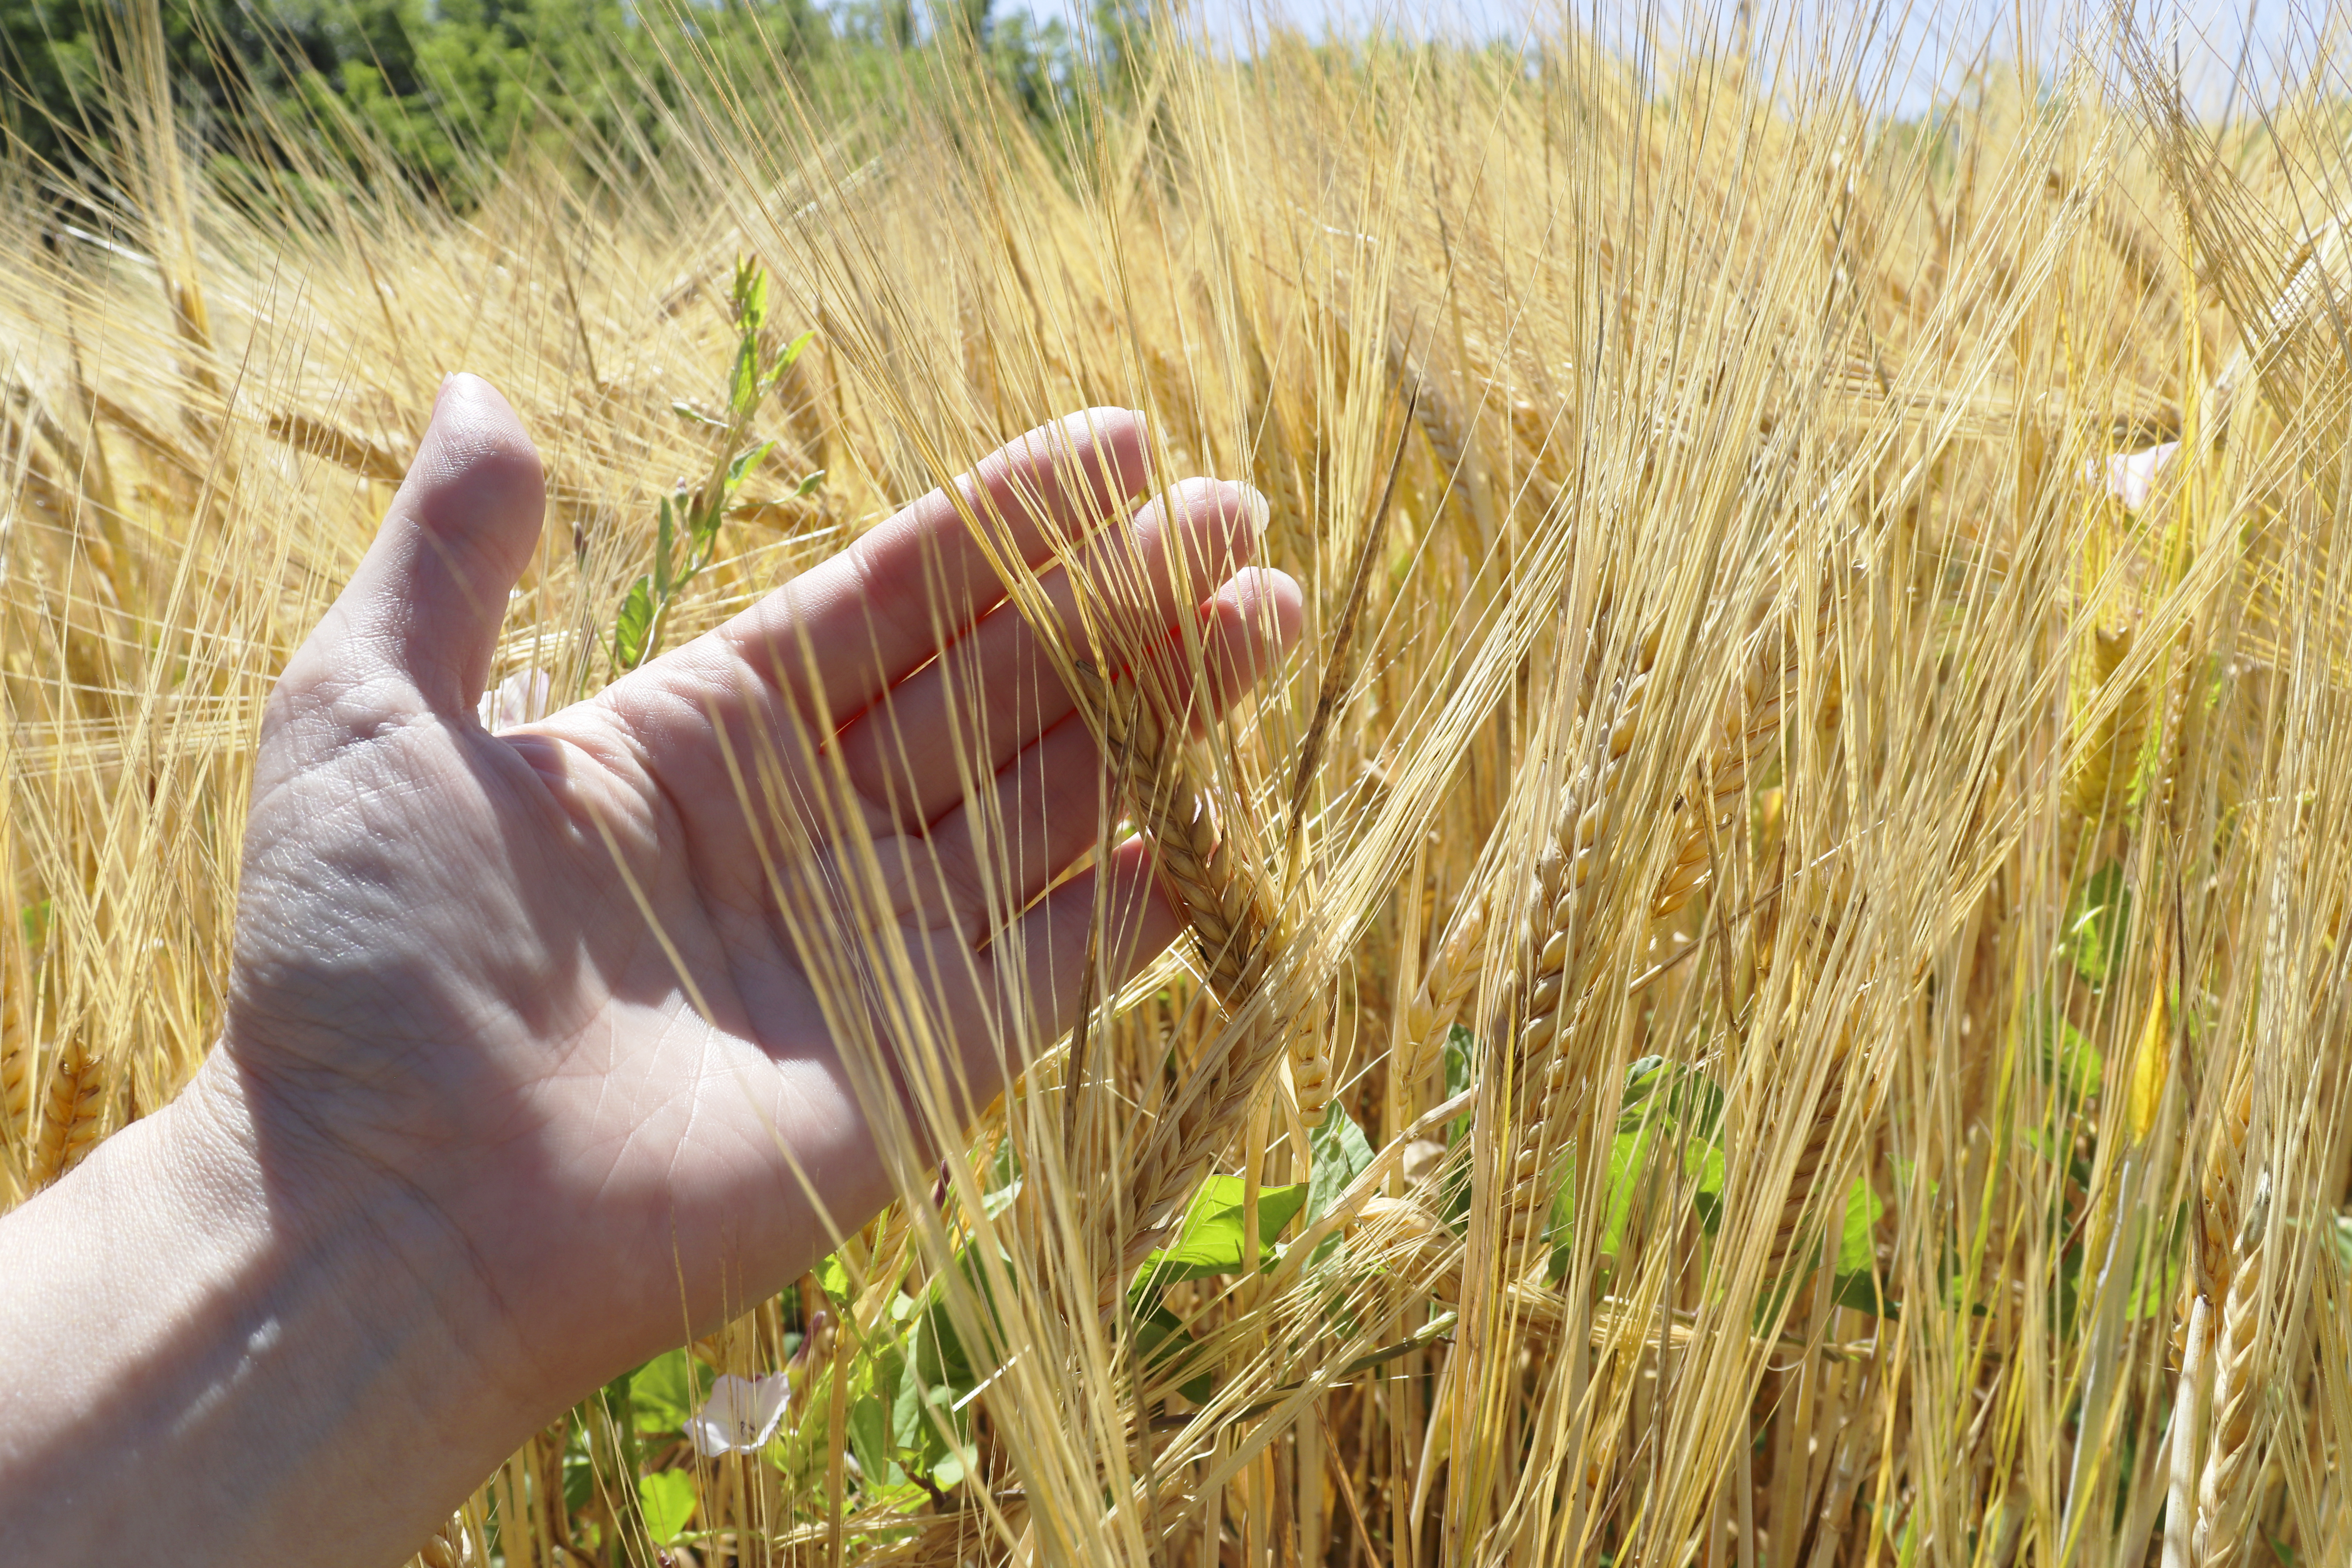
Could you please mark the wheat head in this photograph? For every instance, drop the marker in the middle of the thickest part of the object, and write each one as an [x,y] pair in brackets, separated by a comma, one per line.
[2225,1490]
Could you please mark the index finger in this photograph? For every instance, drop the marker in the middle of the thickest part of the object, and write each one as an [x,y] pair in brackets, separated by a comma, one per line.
[875,614]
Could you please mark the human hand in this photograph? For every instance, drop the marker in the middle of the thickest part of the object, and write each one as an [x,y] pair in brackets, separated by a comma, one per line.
[444,975]
[519,1013]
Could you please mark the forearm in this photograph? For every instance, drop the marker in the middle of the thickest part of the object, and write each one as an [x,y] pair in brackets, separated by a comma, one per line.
[198,1363]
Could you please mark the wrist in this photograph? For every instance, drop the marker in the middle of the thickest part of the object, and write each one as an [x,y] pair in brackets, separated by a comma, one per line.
[286,1343]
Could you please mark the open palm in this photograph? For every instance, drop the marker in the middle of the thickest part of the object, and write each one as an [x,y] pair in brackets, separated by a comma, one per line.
[541,986]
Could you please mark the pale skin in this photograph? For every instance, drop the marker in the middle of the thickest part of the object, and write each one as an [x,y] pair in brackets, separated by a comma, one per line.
[470,1145]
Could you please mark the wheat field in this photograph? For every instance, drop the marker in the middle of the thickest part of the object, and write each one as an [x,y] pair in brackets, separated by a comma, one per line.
[1767,986]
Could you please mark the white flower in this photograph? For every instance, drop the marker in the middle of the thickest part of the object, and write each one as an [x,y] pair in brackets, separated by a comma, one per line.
[742,1415]
[519,698]
[2131,476]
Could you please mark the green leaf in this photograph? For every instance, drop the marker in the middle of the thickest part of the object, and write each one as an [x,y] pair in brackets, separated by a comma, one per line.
[1856,1250]
[1559,1228]
[693,415]
[750,295]
[792,352]
[1703,1162]
[875,1432]
[2156,1279]
[1461,1050]
[665,536]
[1860,1290]
[869,1440]
[664,1392]
[743,463]
[633,625]
[808,486]
[2097,922]
[1629,1160]
[1168,1347]
[1461,1072]
[579,1470]
[933,1367]
[2067,1058]
[668,1498]
[1004,1180]
[743,384]
[1212,1237]
[1341,1152]
[1639,1104]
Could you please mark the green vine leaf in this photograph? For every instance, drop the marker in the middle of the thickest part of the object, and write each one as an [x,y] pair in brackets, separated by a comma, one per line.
[1213,1237]
[633,625]
[667,1499]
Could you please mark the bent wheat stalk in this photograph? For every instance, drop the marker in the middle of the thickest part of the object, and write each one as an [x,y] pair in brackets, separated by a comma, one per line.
[1233,917]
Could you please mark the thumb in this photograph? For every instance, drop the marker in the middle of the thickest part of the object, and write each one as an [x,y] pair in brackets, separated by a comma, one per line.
[426,605]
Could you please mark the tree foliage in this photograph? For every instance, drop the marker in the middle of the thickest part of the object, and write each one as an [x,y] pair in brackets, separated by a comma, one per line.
[445,88]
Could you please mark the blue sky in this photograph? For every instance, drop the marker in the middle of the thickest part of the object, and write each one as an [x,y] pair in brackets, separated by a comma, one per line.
[1917,43]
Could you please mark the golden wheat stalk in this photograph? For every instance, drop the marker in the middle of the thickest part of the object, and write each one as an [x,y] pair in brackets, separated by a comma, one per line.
[1814,939]
[1797,1213]
[2184,1438]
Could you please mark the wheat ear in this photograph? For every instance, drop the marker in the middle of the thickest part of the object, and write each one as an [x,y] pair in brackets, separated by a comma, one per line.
[1556,927]
[2116,739]
[1431,410]
[1232,915]
[2225,1491]
[2180,1481]
[1751,727]
[1310,1056]
[447,1547]
[1805,1180]
[2218,1216]
[69,1117]
[2180,710]
[1270,455]
[15,1054]
[1436,1001]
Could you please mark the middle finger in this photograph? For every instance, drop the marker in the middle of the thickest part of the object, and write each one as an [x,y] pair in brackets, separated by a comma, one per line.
[992,691]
